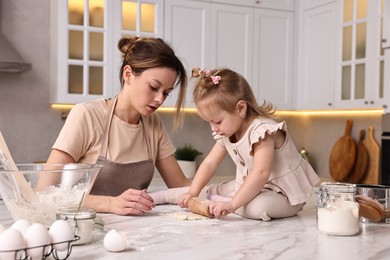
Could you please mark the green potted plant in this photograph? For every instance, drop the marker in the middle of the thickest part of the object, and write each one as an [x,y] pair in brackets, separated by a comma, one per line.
[186,156]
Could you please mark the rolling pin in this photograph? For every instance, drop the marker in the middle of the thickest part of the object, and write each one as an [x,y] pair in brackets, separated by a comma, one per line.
[201,207]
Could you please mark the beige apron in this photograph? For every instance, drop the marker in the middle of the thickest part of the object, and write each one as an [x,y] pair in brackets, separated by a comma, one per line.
[115,178]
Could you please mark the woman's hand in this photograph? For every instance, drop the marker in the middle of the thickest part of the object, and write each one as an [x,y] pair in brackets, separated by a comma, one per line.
[183,199]
[220,209]
[132,202]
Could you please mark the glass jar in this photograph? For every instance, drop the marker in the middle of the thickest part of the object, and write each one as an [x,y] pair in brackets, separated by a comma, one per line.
[82,221]
[337,210]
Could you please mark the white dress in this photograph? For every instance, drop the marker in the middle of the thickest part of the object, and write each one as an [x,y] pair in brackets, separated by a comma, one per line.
[291,175]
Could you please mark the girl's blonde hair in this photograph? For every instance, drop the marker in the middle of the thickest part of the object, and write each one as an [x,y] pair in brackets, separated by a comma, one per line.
[224,87]
[145,53]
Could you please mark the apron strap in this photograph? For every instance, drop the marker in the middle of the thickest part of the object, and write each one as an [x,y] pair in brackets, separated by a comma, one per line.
[103,150]
[107,123]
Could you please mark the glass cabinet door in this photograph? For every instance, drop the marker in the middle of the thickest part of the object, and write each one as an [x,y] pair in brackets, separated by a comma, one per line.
[86,35]
[362,57]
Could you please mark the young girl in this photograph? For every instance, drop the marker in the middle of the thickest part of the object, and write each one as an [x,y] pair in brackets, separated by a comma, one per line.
[272,180]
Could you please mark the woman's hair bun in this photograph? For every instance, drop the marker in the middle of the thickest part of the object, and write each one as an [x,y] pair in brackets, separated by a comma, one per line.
[126,44]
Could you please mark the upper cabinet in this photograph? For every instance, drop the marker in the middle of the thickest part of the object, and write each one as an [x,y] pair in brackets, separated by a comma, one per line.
[273,57]
[256,42]
[85,60]
[342,64]
[317,62]
[360,58]
[189,39]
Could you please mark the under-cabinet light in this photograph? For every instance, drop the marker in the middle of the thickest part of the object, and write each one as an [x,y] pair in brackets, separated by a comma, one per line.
[347,112]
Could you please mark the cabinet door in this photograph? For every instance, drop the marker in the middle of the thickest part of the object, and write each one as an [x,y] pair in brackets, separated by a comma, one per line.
[79,59]
[232,38]
[360,73]
[386,25]
[273,57]
[318,60]
[276,4]
[187,29]
[84,34]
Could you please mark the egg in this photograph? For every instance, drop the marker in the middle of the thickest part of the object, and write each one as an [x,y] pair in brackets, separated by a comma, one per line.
[61,231]
[11,239]
[21,225]
[115,241]
[37,236]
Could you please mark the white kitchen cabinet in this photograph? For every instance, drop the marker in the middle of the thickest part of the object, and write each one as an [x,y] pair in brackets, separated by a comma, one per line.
[317,62]
[213,35]
[308,4]
[360,57]
[341,62]
[273,57]
[386,25]
[231,38]
[85,61]
[187,27]
[267,4]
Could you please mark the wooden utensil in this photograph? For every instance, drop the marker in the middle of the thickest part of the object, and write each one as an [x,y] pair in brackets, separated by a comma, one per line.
[372,175]
[201,207]
[8,164]
[371,209]
[361,163]
[343,155]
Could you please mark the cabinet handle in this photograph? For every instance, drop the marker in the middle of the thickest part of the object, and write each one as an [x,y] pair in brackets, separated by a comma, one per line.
[366,102]
[257,2]
[372,102]
[384,40]
[330,104]
[384,106]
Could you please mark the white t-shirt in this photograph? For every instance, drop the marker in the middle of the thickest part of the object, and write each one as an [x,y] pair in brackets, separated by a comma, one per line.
[82,135]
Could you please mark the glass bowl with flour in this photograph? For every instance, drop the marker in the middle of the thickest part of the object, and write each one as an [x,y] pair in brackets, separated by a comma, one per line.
[37,191]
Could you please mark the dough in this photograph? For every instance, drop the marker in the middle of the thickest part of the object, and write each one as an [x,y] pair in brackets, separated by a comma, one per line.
[188,216]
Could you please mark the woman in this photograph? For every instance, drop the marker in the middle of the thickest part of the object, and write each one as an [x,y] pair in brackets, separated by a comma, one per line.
[123,134]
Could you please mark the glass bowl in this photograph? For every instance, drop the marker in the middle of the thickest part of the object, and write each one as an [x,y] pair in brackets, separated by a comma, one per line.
[53,186]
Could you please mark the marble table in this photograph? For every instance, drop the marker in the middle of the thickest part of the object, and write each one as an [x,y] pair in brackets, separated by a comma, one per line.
[159,235]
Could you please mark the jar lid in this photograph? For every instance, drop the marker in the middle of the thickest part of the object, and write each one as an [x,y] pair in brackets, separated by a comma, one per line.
[338,187]
[72,213]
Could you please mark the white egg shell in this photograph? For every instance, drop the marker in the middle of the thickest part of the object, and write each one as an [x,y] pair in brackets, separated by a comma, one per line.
[115,241]
[22,225]
[37,236]
[11,239]
[61,231]
[2,228]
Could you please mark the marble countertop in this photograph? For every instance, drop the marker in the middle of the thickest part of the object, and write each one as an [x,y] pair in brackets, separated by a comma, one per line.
[159,235]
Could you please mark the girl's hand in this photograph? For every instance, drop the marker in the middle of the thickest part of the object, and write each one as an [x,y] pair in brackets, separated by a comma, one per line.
[220,209]
[132,202]
[183,199]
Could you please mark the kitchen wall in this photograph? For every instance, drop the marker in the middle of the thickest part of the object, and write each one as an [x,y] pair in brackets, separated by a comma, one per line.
[30,126]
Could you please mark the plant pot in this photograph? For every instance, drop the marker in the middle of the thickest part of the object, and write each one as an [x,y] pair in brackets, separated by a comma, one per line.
[188,168]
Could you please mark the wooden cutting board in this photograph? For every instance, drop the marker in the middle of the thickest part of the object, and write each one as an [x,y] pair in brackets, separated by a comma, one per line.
[372,175]
[361,163]
[343,155]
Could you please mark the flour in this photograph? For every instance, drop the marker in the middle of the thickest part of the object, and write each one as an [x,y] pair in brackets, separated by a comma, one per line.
[50,200]
[339,218]
[188,216]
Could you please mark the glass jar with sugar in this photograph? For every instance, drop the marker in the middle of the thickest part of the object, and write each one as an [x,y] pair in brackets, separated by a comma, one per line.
[337,210]
[83,222]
